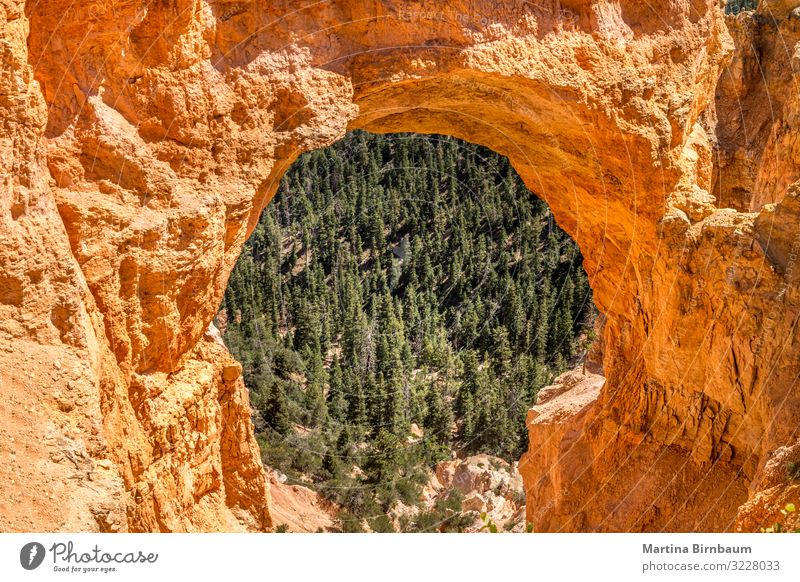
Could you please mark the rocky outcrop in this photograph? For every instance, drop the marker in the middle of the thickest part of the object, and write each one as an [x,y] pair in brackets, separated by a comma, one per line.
[626,500]
[480,493]
[141,141]
[491,490]
[553,424]
[778,488]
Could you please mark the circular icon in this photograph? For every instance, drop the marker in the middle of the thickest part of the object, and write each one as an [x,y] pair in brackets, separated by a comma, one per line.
[31,555]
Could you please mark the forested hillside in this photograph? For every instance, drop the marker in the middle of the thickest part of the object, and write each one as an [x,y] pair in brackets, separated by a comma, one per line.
[402,298]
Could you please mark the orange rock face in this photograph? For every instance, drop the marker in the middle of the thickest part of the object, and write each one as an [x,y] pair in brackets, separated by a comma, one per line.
[299,509]
[140,142]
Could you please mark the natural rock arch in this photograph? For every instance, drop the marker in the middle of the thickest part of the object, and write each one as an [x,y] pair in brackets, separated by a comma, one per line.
[144,140]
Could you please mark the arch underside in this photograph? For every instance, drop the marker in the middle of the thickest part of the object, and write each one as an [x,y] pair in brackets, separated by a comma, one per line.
[146,142]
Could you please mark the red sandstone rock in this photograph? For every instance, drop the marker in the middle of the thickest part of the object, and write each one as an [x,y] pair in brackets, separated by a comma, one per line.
[139,144]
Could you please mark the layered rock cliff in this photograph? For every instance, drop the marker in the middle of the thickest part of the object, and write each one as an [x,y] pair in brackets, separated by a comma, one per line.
[141,140]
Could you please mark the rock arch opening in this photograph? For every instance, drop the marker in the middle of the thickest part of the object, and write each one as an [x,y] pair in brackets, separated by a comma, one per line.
[400,304]
[145,142]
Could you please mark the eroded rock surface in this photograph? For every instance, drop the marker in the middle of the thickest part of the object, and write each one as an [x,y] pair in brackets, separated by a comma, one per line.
[295,508]
[140,141]
[491,489]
